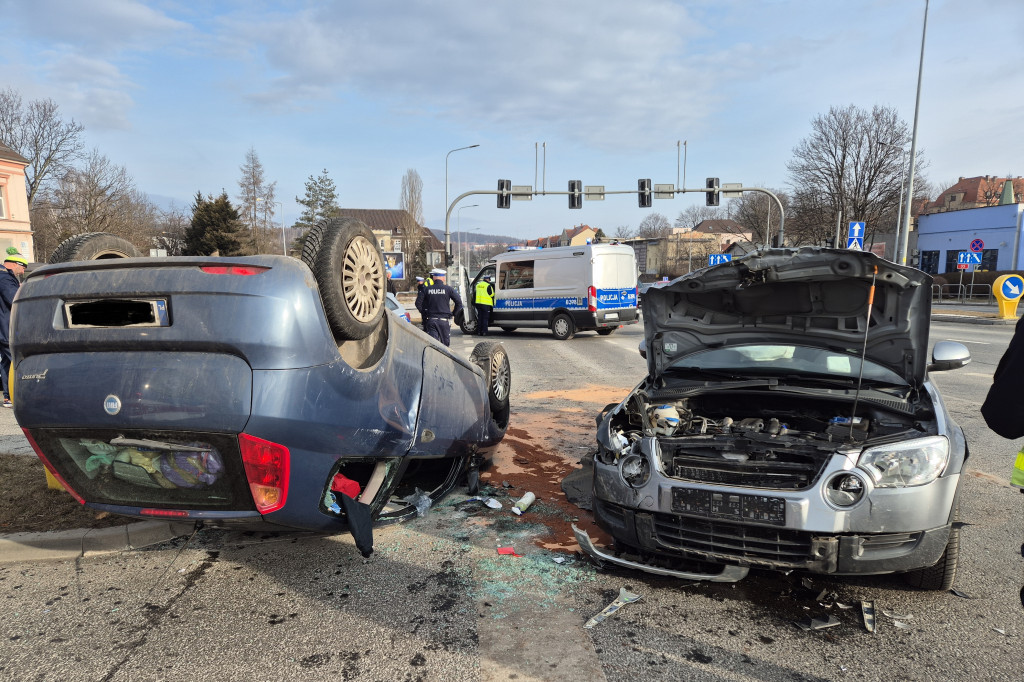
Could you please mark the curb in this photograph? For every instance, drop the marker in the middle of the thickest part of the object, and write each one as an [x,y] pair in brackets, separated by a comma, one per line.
[85,542]
[971,319]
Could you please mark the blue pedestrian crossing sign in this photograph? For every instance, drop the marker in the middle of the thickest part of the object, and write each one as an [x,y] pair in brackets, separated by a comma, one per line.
[855,235]
[718,258]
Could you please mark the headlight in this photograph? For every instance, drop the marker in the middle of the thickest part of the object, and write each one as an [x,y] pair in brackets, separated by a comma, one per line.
[635,470]
[905,464]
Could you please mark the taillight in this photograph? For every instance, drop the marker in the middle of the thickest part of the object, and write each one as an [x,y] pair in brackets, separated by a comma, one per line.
[49,467]
[233,269]
[592,299]
[165,513]
[266,469]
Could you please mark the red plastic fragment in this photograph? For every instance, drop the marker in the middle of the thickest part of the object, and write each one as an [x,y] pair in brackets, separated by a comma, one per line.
[345,485]
[508,550]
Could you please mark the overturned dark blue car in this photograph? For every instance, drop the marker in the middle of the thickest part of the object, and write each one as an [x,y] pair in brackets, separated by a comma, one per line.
[260,390]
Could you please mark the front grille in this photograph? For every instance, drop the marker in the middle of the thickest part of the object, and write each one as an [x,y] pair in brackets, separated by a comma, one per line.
[746,543]
[793,475]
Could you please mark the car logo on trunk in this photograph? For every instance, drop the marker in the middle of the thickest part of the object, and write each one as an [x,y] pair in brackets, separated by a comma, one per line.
[111,404]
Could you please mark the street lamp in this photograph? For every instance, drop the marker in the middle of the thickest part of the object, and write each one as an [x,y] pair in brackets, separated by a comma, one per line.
[458,215]
[284,246]
[469,258]
[905,243]
[899,213]
[447,233]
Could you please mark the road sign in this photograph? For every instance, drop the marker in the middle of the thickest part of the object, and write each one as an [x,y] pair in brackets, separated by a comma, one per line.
[962,266]
[977,245]
[593,192]
[732,190]
[522,192]
[719,258]
[968,258]
[856,230]
[855,243]
[664,191]
[1012,287]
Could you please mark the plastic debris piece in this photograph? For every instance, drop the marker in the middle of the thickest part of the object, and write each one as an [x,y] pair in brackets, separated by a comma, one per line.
[960,594]
[421,501]
[821,595]
[331,502]
[523,504]
[806,582]
[492,503]
[901,625]
[506,484]
[508,550]
[625,597]
[867,609]
[843,606]
[1001,631]
[890,614]
[818,623]
[559,559]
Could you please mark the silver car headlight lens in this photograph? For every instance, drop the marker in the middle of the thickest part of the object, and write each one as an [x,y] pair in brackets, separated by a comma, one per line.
[910,463]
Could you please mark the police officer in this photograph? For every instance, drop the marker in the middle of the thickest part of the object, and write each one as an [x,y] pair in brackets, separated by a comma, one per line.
[483,301]
[433,304]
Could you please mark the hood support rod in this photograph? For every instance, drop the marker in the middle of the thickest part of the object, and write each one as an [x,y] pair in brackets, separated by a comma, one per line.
[864,350]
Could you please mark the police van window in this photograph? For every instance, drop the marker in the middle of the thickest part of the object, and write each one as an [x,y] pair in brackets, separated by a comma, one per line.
[486,272]
[516,275]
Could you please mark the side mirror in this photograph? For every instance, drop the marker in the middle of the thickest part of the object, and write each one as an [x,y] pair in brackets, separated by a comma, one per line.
[949,355]
[643,348]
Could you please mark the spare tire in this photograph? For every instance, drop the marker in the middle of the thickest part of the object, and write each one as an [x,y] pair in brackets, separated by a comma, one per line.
[93,246]
[492,358]
[349,269]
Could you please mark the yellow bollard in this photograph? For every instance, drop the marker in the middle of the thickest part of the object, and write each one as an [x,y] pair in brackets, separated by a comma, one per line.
[1008,289]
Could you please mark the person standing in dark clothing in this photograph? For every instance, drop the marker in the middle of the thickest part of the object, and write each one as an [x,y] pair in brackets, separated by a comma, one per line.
[391,284]
[433,302]
[14,267]
[483,301]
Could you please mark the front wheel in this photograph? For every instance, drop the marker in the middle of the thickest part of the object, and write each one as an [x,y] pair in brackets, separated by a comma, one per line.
[941,575]
[467,325]
[562,327]
[509,330]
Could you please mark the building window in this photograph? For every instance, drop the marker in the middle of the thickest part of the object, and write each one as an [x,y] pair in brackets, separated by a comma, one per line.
[930,262]
[989,259]
[382,243]
[3,205]
[951,261]
[398,245]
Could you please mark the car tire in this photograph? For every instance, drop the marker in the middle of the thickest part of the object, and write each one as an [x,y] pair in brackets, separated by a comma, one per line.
[562,327]
[492,358]
[468,327]
[349,269]
[606,331]
[509,330]
[940,576]
[93,246]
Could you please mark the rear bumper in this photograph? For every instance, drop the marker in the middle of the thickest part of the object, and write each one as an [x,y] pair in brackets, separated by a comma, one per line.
[603,319]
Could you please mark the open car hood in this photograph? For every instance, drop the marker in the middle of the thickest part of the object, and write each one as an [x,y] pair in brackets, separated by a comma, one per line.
[810,296]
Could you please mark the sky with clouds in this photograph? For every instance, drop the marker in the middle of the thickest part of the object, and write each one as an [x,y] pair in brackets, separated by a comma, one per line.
[177,92]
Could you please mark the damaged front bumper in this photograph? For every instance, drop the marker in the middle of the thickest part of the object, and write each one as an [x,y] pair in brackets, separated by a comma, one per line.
[728,574]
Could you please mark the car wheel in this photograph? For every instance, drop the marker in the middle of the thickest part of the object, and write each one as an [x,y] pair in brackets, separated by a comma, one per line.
[467,326]
[606,331]
[941,575]
[509,330]
[349,269]
[562,327]
[492,358]
[93,246]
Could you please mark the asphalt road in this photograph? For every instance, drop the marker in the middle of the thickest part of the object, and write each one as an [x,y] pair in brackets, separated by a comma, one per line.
[436,602]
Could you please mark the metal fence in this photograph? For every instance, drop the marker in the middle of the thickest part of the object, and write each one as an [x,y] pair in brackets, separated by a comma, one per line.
[962,293]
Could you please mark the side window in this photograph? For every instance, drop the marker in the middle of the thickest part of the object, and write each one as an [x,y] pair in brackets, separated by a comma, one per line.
[486,272]
[516,275]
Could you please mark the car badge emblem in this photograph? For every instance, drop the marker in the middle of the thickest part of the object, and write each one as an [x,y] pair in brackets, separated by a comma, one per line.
[111,404]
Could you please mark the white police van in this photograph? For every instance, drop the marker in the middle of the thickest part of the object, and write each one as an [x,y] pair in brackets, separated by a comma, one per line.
[566,289]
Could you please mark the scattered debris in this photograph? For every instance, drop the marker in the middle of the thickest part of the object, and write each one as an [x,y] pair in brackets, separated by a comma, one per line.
[509,550]
[420,500]
[523,504]
[821,595]
[843,606]
[1002,632]
[867,609]
[901,625]
[492,503]
[806,582]
[960,594]
[817,623]
[625,597]
[889,614]
[506,484]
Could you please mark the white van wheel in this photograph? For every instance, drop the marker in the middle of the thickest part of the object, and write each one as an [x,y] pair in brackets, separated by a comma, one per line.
[562,327]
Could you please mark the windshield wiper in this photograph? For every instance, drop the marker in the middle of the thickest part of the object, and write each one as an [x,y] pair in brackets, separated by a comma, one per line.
[710,373]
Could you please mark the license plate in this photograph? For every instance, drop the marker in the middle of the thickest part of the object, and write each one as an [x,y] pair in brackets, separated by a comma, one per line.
[611,316]
[730,506]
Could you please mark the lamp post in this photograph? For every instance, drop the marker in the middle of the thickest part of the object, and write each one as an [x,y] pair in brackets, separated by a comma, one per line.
[284,246]
[905,242]
[447,232]
[458,220]
[899,213]
[469,258]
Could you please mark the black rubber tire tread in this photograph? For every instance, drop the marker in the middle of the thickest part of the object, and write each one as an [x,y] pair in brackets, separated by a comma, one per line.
[509,330]
[940,576]
[467,326]
[492,358]
[606,331]
[93,246]
[324,250]
[569,323]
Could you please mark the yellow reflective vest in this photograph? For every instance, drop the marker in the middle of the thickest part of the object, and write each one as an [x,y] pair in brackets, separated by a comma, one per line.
[484,293]
[1017,477]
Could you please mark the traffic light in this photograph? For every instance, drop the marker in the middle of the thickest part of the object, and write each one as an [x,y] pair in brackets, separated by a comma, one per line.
[575,194]
[643,194]
[448,259]
[504,199]
[711,198]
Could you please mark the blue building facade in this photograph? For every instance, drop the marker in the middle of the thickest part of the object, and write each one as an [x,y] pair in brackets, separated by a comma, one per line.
[942,236]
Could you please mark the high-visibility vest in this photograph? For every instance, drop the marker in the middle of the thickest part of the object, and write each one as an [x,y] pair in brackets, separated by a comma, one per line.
[1017,477]
[484,293]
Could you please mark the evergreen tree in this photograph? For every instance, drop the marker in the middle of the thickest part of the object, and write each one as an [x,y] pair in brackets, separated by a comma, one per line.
[419,261]
[320,201]
[215,227]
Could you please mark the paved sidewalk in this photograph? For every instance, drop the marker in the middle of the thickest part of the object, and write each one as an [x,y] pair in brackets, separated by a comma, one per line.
[72,544]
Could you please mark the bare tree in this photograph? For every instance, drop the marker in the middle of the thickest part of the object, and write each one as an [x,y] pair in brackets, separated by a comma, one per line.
[850,167]
[758,214]
[623,232]
[411,200]
[256,201]
[171,226]
[38,133]
[654,225]
[693,216]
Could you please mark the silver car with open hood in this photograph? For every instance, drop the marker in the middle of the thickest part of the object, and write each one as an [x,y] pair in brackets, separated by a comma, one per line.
[786,422]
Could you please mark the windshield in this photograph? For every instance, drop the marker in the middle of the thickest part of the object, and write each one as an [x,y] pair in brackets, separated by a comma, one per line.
[782,360]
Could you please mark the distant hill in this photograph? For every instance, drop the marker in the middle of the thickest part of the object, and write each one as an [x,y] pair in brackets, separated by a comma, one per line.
[477,238]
